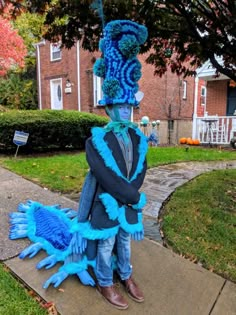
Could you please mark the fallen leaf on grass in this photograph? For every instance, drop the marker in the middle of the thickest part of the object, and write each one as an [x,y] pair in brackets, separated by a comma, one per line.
[35,179]
[51,308]
[31,293]
[38,299]
[5,268]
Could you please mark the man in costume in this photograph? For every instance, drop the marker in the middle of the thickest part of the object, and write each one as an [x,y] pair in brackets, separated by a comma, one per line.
[116,156]
[110,208]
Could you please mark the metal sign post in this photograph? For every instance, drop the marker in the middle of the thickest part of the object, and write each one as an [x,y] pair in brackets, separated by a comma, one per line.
[20,138]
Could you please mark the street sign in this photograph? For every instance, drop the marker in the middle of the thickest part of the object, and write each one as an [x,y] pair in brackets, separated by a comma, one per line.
[20,138]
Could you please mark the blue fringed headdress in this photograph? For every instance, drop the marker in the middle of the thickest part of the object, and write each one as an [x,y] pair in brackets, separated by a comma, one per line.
[119,66]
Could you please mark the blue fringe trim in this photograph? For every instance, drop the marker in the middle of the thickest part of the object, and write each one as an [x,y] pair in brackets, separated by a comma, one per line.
[101,146]
[111,205]
[73,268]
[142,202]
[88,232]
[130,228]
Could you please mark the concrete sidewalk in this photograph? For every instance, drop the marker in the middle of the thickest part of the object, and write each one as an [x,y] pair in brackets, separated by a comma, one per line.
[171,284]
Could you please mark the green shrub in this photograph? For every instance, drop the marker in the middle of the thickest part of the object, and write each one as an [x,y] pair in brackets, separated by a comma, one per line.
[48,129]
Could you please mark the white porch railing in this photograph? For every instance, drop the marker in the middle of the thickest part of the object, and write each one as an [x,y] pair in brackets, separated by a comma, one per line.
[215,129]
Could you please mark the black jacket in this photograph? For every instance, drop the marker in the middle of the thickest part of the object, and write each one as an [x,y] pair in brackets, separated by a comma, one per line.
[107,164]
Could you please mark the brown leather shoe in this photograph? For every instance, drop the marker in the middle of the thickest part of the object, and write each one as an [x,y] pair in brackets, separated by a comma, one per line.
[112,296]
[133,290]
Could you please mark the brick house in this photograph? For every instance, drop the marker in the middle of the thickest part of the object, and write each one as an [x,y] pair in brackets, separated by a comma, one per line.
[66,81]
[214,119]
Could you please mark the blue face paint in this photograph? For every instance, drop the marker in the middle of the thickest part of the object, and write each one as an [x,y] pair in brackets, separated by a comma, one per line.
[124,111]
[119,112]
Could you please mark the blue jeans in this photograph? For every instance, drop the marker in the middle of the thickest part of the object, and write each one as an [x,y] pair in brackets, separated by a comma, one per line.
[104,269]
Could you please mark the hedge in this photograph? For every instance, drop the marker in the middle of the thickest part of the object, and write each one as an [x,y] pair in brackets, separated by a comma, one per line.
[48,129]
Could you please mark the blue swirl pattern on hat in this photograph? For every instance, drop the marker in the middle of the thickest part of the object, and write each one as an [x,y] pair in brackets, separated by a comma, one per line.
[119,66]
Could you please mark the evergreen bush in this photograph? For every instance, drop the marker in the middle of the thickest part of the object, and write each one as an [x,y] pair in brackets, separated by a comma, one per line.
[48,129]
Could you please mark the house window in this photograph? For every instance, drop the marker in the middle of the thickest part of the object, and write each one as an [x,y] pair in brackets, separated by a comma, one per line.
[203,95]
[170,125]
[97,89]
[55,49]
[184,84]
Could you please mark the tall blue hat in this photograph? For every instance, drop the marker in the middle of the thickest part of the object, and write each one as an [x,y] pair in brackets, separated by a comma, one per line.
[119,66]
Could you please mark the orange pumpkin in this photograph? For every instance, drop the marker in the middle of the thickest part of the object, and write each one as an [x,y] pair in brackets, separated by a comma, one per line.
[196,141]
[182,140]
[189,141]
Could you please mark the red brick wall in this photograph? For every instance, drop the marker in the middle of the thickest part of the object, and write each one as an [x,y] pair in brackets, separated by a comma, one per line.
[86,80]
[159,93]
[65,69]
[217,97]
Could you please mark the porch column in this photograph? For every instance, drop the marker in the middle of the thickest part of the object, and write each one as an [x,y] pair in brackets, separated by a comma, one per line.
[194,130]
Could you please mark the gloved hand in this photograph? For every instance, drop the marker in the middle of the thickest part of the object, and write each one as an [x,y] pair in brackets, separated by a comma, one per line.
[85,278]
[78,244]
[56,279]
[23,207]
[18,218]
[47,262]
[15,234]
[138,236]
[31,250]
[17,215]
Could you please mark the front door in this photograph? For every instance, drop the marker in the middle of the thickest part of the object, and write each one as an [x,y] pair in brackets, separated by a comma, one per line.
[56,94]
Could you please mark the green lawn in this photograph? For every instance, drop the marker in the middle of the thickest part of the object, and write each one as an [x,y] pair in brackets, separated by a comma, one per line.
[199,221]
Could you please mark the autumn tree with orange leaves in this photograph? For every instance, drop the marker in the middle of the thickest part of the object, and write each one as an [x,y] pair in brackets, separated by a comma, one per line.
[12,48]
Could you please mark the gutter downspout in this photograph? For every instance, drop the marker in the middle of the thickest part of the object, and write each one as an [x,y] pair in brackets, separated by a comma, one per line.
[37,45]
[78,76]
[194,130]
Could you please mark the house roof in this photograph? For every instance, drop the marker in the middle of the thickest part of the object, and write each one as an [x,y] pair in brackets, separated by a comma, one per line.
[208,73]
